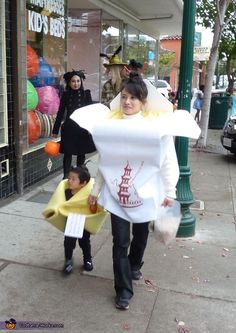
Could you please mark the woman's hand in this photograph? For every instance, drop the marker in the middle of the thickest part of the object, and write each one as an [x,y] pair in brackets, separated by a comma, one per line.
[92,200]
[168,202]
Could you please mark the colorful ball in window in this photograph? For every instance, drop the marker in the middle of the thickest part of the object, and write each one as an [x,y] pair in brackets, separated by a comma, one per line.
[32,96]
[32,61]
[34,127]
[48,100]
[44,76]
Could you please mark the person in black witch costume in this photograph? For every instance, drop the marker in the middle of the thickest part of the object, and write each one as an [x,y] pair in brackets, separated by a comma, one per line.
[135,66]
[75,140]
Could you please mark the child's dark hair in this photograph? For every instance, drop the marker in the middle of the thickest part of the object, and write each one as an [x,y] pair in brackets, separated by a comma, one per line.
[82,172]
[136,86]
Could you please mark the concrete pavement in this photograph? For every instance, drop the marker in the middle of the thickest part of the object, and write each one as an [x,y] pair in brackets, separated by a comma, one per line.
[188,287]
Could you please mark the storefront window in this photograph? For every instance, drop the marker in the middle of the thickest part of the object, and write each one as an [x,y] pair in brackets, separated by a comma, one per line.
[142,48]
[136,46]
[83,46]
[46,49]
[110,36]
[110,41]
[147,46]
[3,85]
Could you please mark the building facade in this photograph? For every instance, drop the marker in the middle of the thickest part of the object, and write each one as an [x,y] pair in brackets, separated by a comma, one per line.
[173,44]
[40,41]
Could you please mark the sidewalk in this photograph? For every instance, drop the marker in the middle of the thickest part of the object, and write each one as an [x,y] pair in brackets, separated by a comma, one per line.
[191,282]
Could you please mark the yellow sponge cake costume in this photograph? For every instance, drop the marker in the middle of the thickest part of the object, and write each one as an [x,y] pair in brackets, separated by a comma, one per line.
[58,208]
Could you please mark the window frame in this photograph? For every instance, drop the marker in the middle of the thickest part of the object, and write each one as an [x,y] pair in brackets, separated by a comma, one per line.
[3,77]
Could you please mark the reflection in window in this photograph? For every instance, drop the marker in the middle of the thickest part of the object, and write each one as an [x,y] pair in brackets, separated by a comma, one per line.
[110,42]
[142,48]
[78,24]
[83,46]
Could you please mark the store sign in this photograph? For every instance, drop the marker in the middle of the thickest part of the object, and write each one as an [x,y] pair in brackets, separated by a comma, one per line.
[197,38]
[44,22]
[201,53]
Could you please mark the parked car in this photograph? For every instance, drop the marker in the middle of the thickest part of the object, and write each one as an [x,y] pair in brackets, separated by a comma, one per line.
[228,138]
[163,87]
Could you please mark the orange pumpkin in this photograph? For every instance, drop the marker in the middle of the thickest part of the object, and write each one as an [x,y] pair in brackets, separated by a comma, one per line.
[52,148]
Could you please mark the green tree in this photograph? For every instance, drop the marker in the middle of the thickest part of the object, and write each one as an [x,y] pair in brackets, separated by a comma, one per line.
[227,50]
[220,16]
[165,61]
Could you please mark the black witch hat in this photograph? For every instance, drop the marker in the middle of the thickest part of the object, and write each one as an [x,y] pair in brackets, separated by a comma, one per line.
[114,59]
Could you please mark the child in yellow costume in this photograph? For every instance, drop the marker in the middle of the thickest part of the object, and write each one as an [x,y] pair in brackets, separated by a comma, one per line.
[71,197]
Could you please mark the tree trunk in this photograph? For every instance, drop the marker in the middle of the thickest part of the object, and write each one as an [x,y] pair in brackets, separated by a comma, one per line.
[223,5]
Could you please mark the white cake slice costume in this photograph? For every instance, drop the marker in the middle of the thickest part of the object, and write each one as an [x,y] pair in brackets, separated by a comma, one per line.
[137,156]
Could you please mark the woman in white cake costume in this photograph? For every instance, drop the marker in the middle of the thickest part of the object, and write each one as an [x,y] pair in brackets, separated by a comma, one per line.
[138,172]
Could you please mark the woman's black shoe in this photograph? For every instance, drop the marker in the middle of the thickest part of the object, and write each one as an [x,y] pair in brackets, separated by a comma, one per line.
[121,303]
[136,275]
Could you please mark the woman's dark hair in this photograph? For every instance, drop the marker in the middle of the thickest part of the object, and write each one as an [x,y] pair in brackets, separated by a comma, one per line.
[134,65]
[82,172]
[135,86]
[68,76]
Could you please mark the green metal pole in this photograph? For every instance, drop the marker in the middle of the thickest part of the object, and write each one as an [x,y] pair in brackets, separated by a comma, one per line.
[184,193]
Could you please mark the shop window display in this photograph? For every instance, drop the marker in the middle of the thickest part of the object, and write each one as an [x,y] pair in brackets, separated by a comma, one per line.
[46,49]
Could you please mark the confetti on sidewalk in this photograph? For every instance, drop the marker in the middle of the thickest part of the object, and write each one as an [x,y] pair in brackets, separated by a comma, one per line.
[183,330]
[181,326]
[225,252]
[125,326]
[225,249]
[197,279]
[150,284]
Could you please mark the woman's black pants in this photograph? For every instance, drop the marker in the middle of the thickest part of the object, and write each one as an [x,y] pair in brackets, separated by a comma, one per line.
[123,263]
[67,159]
